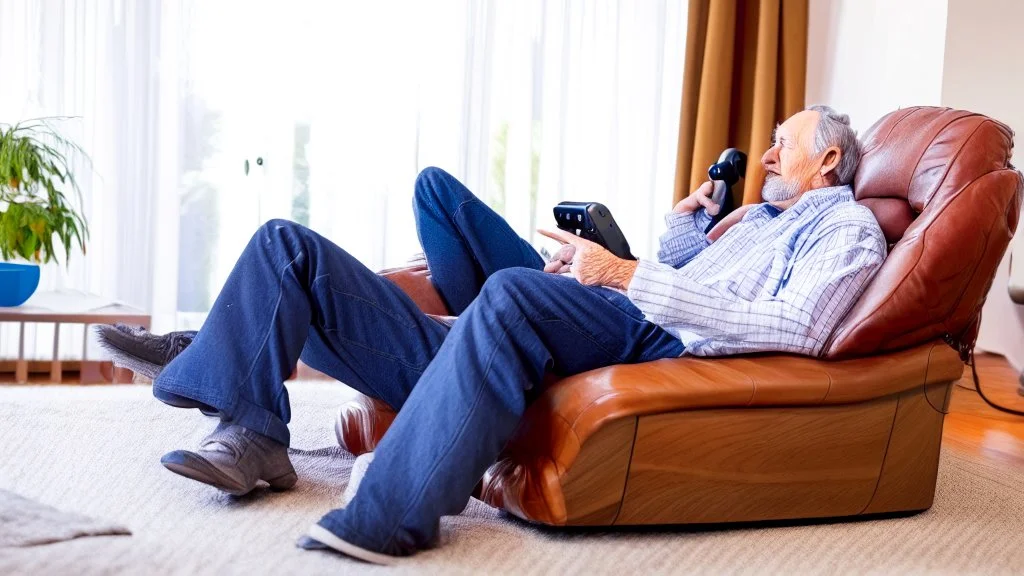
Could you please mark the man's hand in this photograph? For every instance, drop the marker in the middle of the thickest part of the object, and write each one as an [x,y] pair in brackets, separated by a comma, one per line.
[591,264]
[700,197]
[561,261]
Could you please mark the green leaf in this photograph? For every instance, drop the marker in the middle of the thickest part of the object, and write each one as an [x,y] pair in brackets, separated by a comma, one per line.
[35,175]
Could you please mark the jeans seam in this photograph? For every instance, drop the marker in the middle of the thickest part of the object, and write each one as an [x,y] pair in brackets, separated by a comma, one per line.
[617,358]
[277,305]
[371,303]
[398,359]
[476,401]
[461,206]
[312,287]
[510,234]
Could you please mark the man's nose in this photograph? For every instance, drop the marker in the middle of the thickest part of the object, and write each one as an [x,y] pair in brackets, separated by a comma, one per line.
[770,158]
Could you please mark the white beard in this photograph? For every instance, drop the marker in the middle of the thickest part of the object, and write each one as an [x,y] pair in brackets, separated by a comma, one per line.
[776,189]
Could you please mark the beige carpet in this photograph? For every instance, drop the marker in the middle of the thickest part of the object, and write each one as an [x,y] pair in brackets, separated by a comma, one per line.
[96,451]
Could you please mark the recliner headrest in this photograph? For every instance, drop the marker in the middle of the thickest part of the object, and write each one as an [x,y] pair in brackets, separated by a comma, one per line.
[940,183]
[914,155]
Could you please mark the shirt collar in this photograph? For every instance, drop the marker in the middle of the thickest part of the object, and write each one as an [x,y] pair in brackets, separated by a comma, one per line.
[822,198]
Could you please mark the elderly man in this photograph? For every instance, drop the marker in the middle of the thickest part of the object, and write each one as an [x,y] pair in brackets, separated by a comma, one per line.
[776,276]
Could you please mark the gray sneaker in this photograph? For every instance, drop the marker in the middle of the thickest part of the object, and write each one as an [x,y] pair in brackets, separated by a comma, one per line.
[234,459]
[139,350]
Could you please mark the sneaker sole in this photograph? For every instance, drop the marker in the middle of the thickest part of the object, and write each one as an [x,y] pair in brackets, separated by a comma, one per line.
[327,538]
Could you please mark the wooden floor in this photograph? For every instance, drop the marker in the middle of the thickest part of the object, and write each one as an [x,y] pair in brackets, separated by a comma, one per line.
[973,426]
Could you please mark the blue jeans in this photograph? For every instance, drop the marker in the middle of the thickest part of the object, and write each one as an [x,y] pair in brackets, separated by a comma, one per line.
[461,393]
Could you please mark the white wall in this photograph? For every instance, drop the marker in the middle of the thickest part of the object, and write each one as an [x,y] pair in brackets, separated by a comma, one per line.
[984,72]
[867,58]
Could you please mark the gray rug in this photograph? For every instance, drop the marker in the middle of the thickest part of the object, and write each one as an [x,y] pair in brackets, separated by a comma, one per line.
[95,451]
[24,522]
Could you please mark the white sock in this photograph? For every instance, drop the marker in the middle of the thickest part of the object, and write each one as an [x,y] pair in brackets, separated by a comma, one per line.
[358,471]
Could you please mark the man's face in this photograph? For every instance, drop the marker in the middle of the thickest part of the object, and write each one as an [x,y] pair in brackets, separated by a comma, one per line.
[791,165]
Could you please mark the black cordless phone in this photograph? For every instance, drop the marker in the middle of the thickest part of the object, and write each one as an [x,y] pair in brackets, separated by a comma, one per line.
[731,166]
[593,221]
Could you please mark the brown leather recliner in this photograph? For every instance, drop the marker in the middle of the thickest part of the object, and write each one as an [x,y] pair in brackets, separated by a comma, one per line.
[775,436]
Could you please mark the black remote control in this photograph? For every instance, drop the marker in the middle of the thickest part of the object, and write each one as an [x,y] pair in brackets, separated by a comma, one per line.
[593,221]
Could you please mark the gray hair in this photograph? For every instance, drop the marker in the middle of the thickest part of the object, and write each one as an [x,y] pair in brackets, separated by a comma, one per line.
[834,130]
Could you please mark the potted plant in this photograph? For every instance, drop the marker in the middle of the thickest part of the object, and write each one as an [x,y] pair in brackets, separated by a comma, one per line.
[34,210]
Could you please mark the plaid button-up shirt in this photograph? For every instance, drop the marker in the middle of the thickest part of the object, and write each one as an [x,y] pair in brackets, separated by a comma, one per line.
[775,281]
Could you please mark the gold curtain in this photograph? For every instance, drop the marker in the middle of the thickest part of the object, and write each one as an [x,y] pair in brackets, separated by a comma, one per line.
[746,62]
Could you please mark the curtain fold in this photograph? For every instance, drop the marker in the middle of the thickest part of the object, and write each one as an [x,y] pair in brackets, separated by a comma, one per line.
[744,71]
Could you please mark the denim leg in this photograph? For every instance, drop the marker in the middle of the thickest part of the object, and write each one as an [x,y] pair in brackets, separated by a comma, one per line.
[470,399]
[289,287]
[463,240]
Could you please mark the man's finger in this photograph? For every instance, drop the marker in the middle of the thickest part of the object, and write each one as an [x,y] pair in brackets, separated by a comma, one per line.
[560,235]
[566,253]
[710,205]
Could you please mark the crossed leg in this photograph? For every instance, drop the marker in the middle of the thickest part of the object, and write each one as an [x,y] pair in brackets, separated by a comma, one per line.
[293,293]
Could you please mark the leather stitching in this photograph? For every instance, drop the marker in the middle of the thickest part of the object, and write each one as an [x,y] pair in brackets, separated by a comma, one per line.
[885,455]
[949,164]
[909,113]
[629,466]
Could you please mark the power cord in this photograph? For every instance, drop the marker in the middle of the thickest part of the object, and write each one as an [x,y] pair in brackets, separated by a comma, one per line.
[977,386]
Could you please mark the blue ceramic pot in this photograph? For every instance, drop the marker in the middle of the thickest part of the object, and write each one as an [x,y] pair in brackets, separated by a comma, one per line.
[17,283]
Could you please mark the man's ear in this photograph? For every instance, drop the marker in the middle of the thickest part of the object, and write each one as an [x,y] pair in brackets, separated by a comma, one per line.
[829,162]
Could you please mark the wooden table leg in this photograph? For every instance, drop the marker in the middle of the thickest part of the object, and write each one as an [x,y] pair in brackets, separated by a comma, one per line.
[21,367]
[55,367]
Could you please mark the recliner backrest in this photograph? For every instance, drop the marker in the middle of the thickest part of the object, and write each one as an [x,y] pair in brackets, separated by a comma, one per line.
[942,187]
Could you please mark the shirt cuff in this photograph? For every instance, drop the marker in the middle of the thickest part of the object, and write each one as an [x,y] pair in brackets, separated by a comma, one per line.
[685,234]
[689,225]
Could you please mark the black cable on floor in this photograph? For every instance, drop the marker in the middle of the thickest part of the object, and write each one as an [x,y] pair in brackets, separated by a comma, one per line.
[977,386]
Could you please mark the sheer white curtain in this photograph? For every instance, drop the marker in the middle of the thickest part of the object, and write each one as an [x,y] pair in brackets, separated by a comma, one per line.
[577,100]
[91,60]
[529,103]
[335,107]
